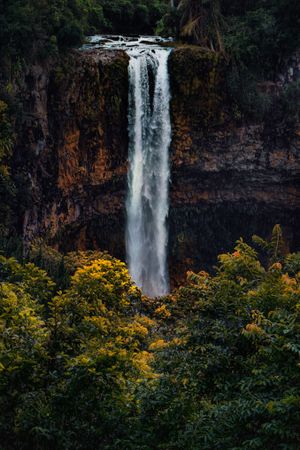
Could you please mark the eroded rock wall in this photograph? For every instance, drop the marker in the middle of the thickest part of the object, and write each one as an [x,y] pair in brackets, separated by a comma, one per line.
[229,178]
[74,134]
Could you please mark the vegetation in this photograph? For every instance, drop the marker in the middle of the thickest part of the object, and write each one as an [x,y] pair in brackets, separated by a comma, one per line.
[213,366]
[7,188]
[259,33]
[70,362]
[230,377]
[257,37]
[87,362]
[48,24]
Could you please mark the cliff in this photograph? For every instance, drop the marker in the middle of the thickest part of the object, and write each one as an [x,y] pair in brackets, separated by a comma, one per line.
[230,178]
[73,143]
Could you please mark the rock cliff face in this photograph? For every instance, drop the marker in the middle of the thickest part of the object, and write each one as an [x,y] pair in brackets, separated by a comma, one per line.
[229,179]
[75,137]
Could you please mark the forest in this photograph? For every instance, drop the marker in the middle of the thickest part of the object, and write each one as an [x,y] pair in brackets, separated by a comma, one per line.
[87,361]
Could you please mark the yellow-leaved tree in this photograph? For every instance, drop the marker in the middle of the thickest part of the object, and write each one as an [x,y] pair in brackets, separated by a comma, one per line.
[98,347]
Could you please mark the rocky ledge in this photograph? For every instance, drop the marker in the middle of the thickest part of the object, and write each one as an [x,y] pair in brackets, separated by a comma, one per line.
[229,178]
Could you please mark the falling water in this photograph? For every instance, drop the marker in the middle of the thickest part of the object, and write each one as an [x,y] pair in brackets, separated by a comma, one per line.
[148,179]
[147,201]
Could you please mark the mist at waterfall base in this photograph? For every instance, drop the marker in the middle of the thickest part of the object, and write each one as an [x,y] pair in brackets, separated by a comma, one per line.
[149,127]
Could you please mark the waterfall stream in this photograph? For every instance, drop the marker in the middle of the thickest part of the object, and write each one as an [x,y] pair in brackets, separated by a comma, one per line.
[149,127]
[148,178]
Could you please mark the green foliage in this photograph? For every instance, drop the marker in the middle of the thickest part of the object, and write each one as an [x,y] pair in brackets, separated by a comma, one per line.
[133,17]
[288,108]
[50,260]
[257,37]
[7,188]
[6,134]
[61,267]
[22,354]
[249,38]
[257,33]
[168,25]
[32,24]
[215,365]
[69,371]
[229,379]
[33,280]
[242,86]
[275,247]
[292,264]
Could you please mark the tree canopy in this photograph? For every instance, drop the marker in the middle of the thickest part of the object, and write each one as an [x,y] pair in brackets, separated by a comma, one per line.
[215,365]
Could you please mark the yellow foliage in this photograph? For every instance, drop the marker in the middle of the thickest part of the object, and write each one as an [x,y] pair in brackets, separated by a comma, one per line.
[288,280]
[160,344]
[146,321]
[253,328]
[276,266]
[99,322]
[142,361]
[162,312]
[136,329]
[107,281]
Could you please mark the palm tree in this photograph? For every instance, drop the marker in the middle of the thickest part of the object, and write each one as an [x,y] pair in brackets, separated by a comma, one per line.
[200,23]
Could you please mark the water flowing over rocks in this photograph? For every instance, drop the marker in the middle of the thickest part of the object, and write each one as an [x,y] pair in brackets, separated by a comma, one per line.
[147,204]
[229,178]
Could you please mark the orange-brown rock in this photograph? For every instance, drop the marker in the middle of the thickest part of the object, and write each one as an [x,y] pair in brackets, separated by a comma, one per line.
[229,177]
[74,143]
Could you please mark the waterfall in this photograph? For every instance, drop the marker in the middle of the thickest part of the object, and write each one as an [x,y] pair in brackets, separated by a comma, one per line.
[147,202]
[149,125]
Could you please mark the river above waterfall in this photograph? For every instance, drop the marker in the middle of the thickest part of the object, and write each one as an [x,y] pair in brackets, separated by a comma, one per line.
[125,42]
[149,129]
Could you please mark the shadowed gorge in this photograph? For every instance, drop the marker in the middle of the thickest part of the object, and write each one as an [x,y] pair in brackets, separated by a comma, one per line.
[229,177]
[149,224]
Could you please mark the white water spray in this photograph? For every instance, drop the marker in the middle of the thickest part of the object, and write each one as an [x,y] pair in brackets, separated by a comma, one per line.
[147,202]
[148,179]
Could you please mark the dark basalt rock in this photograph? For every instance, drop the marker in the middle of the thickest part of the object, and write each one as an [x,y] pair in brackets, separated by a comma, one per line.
[78,175]
[229,179]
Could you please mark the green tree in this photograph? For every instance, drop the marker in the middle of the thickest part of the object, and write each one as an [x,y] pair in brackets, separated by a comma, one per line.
[29,277]
[70,370]
[229,378]
[22,356]
[201,22]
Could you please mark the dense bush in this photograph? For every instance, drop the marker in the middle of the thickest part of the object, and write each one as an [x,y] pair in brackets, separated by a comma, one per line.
[229,378]
[215,365]
[31,23]
[133,17]
[69,368]
[257,36]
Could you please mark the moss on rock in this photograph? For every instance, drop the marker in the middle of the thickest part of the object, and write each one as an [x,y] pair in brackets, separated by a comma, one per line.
[197,83]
